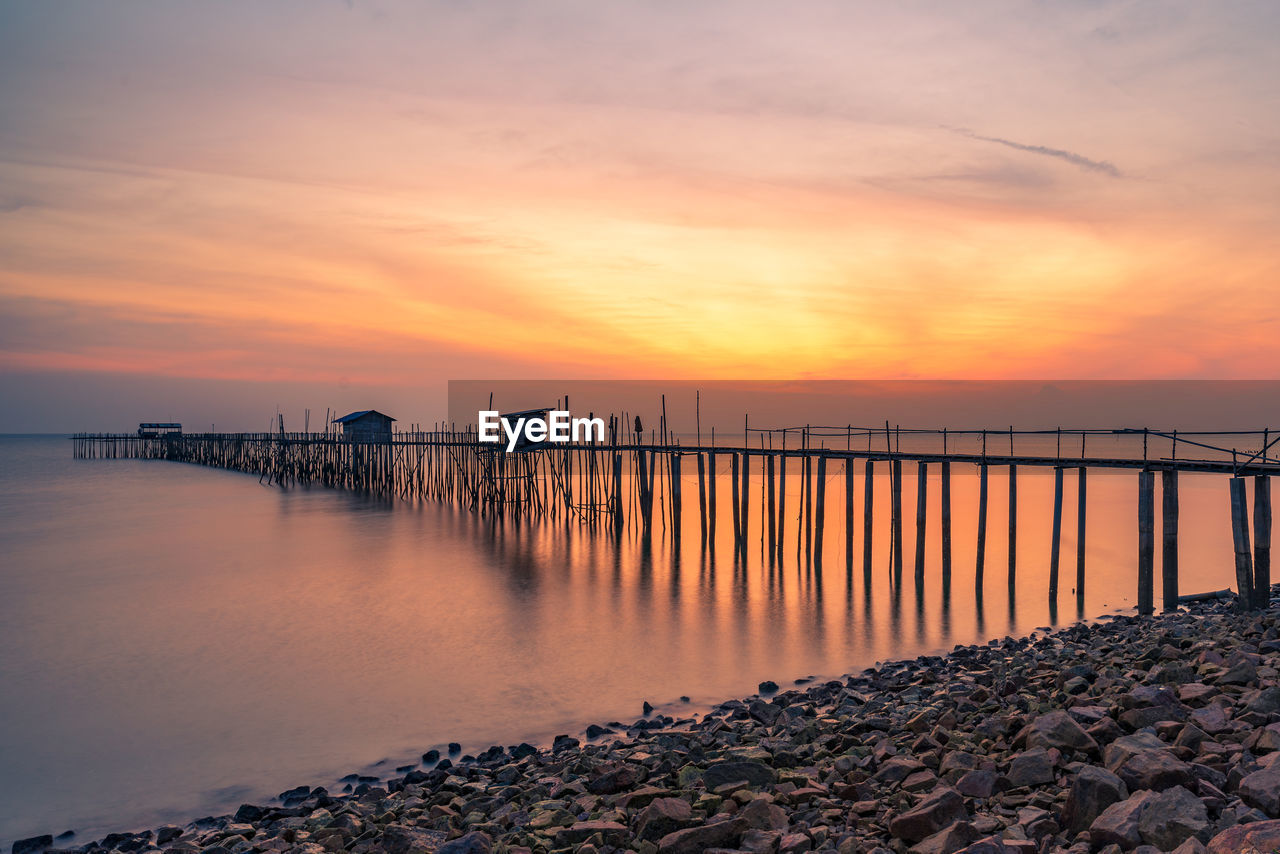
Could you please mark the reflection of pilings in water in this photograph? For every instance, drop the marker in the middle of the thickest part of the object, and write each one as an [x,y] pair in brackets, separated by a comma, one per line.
[585,484]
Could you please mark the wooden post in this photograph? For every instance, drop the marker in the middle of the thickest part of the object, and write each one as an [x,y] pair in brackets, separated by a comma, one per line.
[868,491]
[1146,543]
[617,492]
[702,495]
[895,476]
[1013,520]
[737,512]
[711,499]
[820,518]
[782,496]
[980,563]
[1080,530]
[946,530]
[1262,540]
[1056,545]
[1240,538]
[746,507]
[675,495]
[1169,535]
[922,487]
[848,514]
[773,496]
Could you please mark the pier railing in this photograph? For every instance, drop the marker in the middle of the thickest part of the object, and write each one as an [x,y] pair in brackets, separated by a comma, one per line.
[634,482]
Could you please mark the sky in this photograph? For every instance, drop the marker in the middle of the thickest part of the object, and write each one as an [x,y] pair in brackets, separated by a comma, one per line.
[209,211]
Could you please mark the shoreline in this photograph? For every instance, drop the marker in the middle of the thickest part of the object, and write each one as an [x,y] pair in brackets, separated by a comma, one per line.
[1120,731]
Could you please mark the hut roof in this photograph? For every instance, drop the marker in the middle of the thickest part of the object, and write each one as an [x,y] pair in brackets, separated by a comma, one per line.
[363,413]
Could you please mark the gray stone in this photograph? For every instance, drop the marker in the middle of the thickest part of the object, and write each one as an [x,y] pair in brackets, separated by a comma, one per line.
[1118,823]
[692,840]
[948,840]
[939,809]
[663,816]
[1172,817]
[475,842]
[1031,768]
[1093,790]
[1261,789]
[734,771]
[1057,729]
[402,839]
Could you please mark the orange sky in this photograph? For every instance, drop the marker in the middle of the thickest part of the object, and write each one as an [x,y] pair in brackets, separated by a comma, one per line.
[386,196]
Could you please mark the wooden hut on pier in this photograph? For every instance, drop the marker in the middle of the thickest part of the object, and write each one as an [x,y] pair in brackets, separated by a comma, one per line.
[367,425]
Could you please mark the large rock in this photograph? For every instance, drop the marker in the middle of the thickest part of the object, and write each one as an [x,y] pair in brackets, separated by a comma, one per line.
[625,776]
[693,840]
[1256,838]
[475,842]
[988,845]
[979,783]
[1172,817]
[663,816]
[579,832]
[736,771]
[1057,729]
[33,845]
[759,814]
[403,839]
[939,809]
[1261,789]
[1093,790]
[1143,761]
[1031,768]
[948,840]
[1118,824]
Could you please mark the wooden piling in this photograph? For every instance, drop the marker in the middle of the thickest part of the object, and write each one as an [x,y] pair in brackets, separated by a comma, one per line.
[1055,548]
[773,497]
[1261,541]
[848,514]
[1240,539]
[737,511]
[702,495]
[676,504]
[980,562]
[1146,543]
[922,489]
[820,512]
[868,492]
[946,530]
[1013,523]
[1081,488]
[895,477]
[711,499]
[746,506]
[1169,537]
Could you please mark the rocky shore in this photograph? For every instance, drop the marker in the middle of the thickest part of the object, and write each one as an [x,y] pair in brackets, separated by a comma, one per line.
[1146,735]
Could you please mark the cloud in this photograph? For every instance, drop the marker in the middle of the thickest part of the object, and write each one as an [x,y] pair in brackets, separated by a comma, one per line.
[1070,156]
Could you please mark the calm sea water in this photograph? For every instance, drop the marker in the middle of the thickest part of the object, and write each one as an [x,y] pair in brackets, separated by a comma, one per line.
[175,640]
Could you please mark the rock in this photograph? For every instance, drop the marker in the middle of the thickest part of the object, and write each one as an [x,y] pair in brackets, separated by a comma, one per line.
[1031,768]
[249,813]
[612,832]
[762,815]
[402,839]
[167,833]
[33,844]
[734,771]
[475,842]
[1240,671]
[1144,762]
[1191,846]
[1057,729]
[948,840]
[768,686]
[988,845]
[939,809]
[1256,838]
[794,843]
[978,783]
[1093,790]
[760,841]
[454,748]
[663,816]
[694,840]
[1172,817]
[1118,823]
[619,779]
[1261,789]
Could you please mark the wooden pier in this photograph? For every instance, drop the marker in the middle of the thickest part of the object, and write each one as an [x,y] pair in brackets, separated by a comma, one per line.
[616,485]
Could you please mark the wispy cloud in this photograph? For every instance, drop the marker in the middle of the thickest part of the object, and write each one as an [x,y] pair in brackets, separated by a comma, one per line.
[1062,154]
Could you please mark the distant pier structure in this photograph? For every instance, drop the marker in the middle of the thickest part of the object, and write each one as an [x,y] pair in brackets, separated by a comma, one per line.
[633,481]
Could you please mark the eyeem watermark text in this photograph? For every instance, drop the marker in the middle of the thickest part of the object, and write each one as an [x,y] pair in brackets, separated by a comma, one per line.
[558,426]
